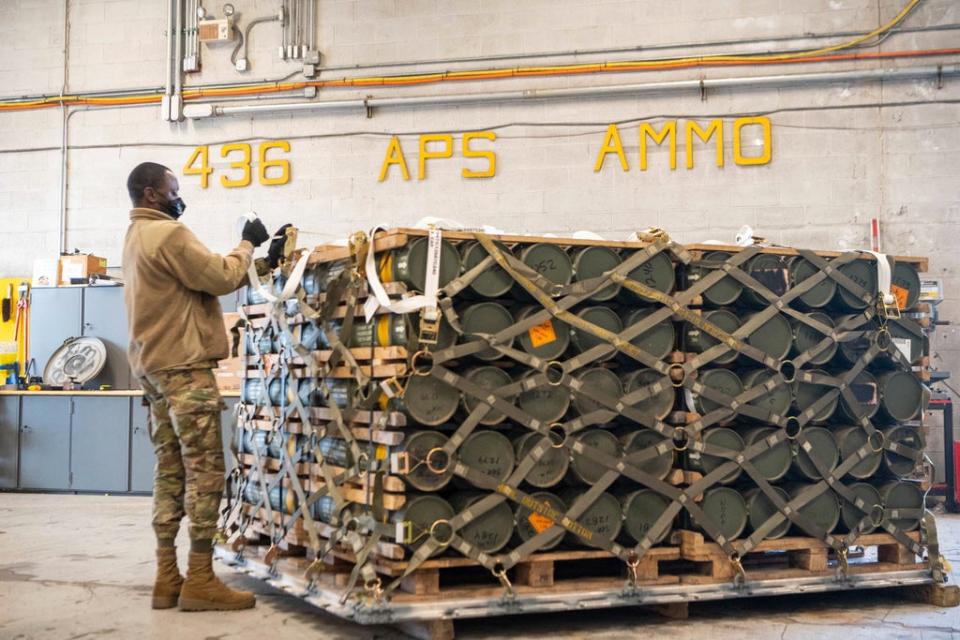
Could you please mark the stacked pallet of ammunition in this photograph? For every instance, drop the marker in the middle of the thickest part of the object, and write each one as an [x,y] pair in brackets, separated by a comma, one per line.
[577,394]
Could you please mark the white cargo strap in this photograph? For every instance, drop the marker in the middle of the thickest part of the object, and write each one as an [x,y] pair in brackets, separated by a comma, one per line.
[427,301]
[883,277]
[288,289]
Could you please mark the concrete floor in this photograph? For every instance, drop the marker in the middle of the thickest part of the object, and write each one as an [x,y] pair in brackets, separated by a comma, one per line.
[82,567]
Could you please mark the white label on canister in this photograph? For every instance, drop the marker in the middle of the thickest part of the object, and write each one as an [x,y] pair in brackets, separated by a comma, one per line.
[904,345]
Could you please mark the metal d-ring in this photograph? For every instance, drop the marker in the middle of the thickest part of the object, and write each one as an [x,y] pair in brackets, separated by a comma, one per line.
[676,380]
[788,369]
[792,428]
[876,520]
[681,438]
[883,339]
[877,435]
[553,367]
[434,528]
[418,369]
[437,469]
[552,429]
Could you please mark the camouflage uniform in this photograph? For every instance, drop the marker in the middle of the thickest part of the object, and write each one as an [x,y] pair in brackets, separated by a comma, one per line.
[185,408]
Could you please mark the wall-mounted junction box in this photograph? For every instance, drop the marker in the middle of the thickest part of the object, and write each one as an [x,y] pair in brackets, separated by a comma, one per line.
[216,30]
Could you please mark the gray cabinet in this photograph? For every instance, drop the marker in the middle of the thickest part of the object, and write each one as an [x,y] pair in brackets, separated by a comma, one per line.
[55,315]
[100,443]
[142,458]
[105,317]
[45,443]
[9,441]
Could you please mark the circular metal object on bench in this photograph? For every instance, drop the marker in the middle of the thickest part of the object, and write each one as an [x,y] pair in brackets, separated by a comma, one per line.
[77,360]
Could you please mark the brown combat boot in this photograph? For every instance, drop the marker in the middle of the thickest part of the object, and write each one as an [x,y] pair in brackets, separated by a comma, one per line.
[166,590]
[203,591]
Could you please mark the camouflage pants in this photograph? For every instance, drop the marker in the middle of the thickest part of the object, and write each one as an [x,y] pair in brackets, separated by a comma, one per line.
[185,407]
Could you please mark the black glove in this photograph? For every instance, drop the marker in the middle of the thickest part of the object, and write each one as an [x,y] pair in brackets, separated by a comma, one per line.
[255,233]
[275,252]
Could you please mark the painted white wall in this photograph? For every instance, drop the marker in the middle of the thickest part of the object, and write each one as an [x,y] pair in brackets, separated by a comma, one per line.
[831,170]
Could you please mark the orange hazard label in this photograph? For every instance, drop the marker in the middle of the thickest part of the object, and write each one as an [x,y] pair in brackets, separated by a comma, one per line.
[542,334]
[540,523]
[900,293]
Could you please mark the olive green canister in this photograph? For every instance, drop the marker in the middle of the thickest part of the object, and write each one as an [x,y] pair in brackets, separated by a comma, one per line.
[806,338]
[905,285]
[726,509]
[851,515]
[641,510]
[908,337]
[823,510]
[550,468]
[409,264]
[416,449]
[661,463]
[545,402]
[487,318]
[902,396]
[548,339]
[902,494]
[603,317]
[823,453]
[776,401]
[548,260]
[862,272]
[761,508]
[721,380]
[600,382]
[659,403]
[430,401]
[493,282]
[489,453]
[697,340]
[494,380]
[604,517]
[866,400]
[726,290]
[531,522]
[851,439]
[592,262]
[489,532]
[774,462]
[770,270]
[819,294]
[584,469]
[418,516]
[721,438]
[806,395]
[909,438]
[658,341]
[774,336]
[656,273]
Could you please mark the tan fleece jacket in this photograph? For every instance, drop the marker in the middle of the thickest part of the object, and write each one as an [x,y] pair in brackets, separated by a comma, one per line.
[171,286]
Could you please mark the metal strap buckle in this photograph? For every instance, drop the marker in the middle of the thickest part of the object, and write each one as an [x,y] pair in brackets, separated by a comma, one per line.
[374,589]
[500,573]
[392,387]
[889,311]
[843,566]
[429,330]
[633,562]
[741,576]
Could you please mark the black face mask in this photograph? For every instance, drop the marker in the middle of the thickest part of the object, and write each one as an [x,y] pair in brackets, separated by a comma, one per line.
[174,208]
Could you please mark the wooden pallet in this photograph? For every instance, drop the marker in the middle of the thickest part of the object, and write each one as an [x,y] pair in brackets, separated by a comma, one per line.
[398,237]
[802,557]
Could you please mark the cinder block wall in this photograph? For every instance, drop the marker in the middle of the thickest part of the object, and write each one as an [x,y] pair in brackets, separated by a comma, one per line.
[831,170]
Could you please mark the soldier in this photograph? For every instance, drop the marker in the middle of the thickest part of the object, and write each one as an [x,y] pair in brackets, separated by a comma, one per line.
[176,338]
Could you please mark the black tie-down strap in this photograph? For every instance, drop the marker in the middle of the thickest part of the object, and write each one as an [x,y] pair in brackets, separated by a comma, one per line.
[444,534]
